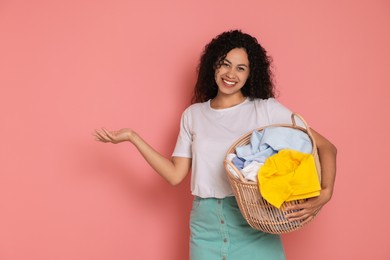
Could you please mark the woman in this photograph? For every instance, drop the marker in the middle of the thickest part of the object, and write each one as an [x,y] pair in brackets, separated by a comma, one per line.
[234,94]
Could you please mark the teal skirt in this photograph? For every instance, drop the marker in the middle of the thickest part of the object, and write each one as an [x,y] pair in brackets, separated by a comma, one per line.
[220,232]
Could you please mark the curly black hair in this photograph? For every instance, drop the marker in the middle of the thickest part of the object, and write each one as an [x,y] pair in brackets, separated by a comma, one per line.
[259,83]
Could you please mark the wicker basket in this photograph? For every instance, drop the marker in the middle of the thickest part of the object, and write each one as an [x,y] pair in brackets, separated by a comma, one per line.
[257,211]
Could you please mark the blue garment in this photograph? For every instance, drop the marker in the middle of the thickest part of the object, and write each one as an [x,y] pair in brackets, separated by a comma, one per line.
[238,162]
[287,138]
[268,142]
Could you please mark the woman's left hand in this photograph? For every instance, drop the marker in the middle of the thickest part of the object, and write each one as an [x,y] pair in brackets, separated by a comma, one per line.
[306,211]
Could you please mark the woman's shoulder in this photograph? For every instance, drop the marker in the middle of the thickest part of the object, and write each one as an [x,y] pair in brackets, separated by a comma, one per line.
[195,108]
[265,102]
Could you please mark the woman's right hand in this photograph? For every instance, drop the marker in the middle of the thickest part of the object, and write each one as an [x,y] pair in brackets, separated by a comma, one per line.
[105,136]
[173,170]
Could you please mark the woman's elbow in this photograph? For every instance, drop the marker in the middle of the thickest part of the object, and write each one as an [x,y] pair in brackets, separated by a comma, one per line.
[175,181]
[332,148]
[329,148]
[177,178]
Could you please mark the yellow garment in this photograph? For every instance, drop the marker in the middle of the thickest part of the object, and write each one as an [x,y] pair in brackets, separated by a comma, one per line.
[288,175]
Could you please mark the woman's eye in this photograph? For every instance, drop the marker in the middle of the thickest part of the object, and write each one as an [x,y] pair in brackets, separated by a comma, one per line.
[226,65]
[240,69]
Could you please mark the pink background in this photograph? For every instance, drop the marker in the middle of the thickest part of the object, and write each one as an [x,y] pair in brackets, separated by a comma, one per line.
[68,67]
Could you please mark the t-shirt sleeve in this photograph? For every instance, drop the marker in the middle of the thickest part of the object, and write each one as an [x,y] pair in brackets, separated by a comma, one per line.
[279,114]
[183,146]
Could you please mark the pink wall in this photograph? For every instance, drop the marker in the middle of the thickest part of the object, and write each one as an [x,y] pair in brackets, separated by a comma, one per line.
[67,67]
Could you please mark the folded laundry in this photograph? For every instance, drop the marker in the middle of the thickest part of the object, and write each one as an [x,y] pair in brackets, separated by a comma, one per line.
[268,142]
[288,175]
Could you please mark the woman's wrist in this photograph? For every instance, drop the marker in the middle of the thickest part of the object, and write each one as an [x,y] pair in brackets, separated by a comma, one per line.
[132,136]
[326,194]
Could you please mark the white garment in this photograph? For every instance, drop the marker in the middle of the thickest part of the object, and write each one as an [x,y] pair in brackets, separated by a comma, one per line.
[206,134]
[250,171]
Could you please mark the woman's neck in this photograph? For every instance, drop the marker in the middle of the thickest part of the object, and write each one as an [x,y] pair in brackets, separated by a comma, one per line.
[221,102]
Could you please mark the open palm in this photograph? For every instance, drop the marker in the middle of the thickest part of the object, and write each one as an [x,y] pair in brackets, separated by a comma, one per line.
[105,136]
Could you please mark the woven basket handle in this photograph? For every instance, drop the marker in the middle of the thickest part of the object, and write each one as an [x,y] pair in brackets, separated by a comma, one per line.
[293,116]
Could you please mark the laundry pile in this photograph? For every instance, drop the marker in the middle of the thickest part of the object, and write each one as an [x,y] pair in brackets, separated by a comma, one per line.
[280,159]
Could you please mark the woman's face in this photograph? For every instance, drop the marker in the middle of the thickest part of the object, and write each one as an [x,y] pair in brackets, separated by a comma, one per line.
[233,72]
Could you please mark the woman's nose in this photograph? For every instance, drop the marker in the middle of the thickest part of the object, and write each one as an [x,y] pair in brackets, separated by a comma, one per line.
[230,73]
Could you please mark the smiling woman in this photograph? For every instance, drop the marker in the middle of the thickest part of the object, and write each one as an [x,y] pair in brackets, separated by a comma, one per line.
[233,95]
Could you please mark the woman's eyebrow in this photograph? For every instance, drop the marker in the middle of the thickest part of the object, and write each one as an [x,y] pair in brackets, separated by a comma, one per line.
[228,61]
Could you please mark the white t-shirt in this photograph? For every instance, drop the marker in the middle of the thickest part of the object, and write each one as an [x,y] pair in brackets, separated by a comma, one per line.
[206,134]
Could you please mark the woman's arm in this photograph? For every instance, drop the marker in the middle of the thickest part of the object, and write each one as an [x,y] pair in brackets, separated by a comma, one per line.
[173,170]
[327,154]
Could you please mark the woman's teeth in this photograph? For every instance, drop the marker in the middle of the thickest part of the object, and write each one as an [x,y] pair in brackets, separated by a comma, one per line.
[229,82]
